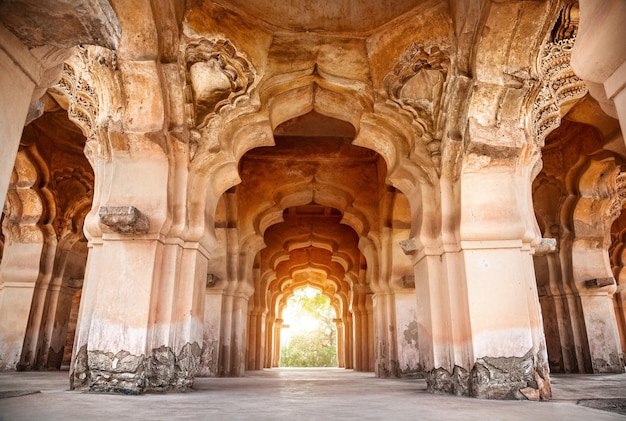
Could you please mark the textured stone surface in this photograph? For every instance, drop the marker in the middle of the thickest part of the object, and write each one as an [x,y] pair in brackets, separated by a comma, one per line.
[431,167]
[174,372]
[121,372]
[62,23]
[125,373]
[124,219]
[505,378]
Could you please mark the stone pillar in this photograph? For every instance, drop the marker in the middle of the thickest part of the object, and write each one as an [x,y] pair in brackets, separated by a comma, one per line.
[364,359]
[509,359]
[269,341]
[19,72]
[278,325]
[369,336]
[556,297]
[384,334]
[256,344]
[141,319]
[341,348]
[240,319]
[591,271]
[433,316]
[35,339]
[348,341]
[49,340]
[19,269]
[60,321]
[599,54]
[209,363]
[407,332]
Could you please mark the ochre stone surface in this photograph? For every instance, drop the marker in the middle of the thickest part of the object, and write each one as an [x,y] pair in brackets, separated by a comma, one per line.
[437,169]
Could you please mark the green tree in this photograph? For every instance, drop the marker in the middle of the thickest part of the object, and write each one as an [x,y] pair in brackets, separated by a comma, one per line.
[312,340]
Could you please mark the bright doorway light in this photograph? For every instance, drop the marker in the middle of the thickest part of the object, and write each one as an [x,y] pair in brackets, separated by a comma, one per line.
[310,340]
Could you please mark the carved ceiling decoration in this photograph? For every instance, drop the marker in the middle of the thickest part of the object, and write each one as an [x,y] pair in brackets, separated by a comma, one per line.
[217,75]
[416,84]
[83,108]
[560,86]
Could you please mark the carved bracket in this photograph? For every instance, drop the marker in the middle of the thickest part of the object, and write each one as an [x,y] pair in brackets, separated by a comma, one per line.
[124,219]
[217,75]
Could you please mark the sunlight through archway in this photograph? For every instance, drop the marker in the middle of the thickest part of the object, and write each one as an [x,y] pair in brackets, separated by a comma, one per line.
[309,334]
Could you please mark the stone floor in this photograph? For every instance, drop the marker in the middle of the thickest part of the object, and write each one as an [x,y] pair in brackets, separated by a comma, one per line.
[304,394]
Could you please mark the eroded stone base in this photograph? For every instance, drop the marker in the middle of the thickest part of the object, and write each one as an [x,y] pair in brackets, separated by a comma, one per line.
[494,378]
[98,371]
[441,380]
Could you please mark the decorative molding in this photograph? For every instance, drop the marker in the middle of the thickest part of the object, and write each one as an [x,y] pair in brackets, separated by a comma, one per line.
[217,75]
[416,85]
[559,84]
[620,197]
[83,104]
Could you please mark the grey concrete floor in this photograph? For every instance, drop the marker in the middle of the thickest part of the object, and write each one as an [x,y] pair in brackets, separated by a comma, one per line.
[302,394]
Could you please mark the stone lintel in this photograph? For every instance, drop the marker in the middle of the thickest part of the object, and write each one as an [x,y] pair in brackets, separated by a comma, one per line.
[124,219]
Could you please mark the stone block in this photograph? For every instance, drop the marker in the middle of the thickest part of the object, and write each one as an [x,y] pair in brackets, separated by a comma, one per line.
[124,219]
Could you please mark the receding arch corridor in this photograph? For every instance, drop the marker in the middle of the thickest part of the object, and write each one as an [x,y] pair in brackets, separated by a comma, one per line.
[302,394]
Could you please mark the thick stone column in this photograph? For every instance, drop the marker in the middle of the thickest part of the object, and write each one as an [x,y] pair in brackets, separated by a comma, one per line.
[141,319]
[383,312]
[18,76]
[209,364]
[363,331]
[278,325]
[347,340]
[19,269]
[509,356]
[341,347]
[592,277]
[61,276]
[599,54]
[406,331]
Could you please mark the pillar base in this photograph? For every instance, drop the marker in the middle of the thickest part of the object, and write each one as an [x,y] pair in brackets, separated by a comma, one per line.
[98,371]
[494,378]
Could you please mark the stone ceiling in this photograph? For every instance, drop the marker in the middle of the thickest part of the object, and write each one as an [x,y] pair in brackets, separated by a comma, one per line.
[339,16]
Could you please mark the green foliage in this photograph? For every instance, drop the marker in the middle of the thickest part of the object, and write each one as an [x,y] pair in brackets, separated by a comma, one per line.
[312,336]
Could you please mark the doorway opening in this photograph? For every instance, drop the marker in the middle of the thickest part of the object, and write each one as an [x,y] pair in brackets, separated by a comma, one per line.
[309,334]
